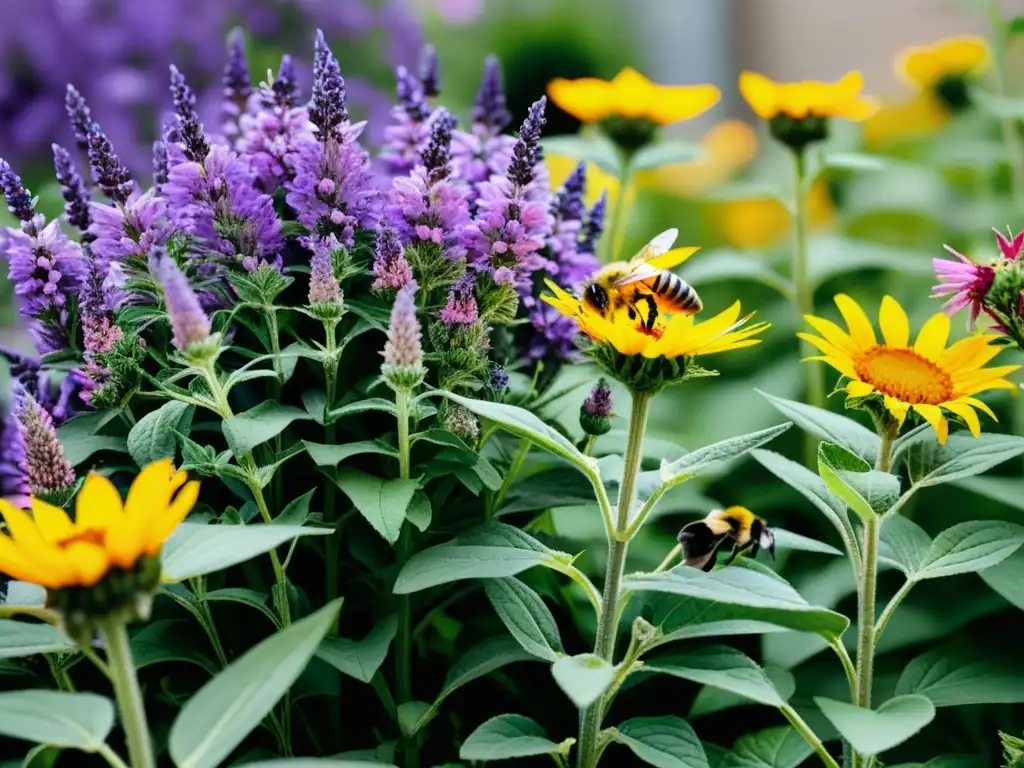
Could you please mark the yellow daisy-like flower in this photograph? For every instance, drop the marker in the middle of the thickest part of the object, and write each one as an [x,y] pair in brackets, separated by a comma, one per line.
[50,550]
[927,377]
[811,98]
[631,95]
[926,66]
[673,336]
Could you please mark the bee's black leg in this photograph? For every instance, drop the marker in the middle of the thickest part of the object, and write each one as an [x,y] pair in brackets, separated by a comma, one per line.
[632,312]
[652,312]
[755,547]
[736,550]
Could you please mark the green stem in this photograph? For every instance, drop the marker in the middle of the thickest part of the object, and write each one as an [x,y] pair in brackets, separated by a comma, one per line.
[607,629]
[111,757]
[199,588]
[617,232]
[128,694]
[848,666]
[332,547]
[403,650]
[803,295]
[890,609]
[674,553]
[808,735]
[60,676]
[588,445]
[517,462]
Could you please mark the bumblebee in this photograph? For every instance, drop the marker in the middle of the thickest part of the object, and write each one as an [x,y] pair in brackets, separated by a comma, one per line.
[702,539]
[645,280]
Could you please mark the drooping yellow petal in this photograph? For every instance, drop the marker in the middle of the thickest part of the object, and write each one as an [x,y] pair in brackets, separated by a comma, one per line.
[760,93]
[860,327]
[933,415]
[859,389]
[966,413]
[98,503]
[163,525]
[151,491]
[981,406]
[822,345]
[19,566]
[896,408]
[925,65]
[894,323]
[53,522]
[587,99]
[841,364]
[931,340]
[31,544]
[833,334]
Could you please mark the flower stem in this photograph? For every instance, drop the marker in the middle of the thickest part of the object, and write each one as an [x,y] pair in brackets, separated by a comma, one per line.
[332,546]
[607,629]
[517,461]
[891,607]
[128,693]
[617,233]
[403,641]
[808,735]
[803,294]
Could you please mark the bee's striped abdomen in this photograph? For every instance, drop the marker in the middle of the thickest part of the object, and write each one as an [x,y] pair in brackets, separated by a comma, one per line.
[676,293]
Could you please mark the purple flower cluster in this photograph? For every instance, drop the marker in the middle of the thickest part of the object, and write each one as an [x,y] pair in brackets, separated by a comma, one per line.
[14,485]
[391,270]
[409,129]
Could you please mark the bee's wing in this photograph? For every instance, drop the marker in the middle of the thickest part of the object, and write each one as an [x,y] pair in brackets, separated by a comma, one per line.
[642,272]
[657,247]
[672,258]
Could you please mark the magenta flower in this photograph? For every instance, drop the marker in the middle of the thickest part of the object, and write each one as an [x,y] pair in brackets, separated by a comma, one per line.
[461,308]
[390,268]
[968,283]
[1012,246]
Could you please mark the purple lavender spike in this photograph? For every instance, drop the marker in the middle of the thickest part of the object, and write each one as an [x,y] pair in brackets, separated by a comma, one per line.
[429,72]
[327,106]
[196,147]
[80,116]
[76,196]
[489,110]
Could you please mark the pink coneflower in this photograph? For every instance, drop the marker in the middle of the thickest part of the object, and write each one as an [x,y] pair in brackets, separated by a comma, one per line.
[1012,246]
[968,283]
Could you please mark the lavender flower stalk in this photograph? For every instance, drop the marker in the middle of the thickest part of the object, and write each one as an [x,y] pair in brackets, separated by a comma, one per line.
[49,471]
[429,72]
[108,172]
[404,138]
[76,196]
[14,480]
[236,81]
[489,111]
[193,139]
[189,323]
[391,271]
[80,116]
[403,368]
[327,109]
[484,151]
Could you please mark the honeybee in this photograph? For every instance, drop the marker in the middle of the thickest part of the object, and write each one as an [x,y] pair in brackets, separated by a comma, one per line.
[645,279]
[702,539]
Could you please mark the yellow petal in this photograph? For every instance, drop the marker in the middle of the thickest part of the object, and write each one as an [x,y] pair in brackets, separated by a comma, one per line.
[841,364]
[861,332]
[632,94]
[963,55]
[98,503]
[897,408]
[681,102]
[858,110]
[894,323]
[933,415]
[919,66]
[89,561]
[966,413]
[859,389]
[833,334]
[931,340]
[587,99]
[981,406]
[163,526]
[30,543]
[760,93]
[823,345]
[53,522]
[19,566]
[148,498]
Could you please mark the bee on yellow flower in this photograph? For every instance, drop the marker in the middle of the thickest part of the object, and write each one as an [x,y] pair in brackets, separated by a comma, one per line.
[630,108]
[927,377]
[798,113]
[106,558]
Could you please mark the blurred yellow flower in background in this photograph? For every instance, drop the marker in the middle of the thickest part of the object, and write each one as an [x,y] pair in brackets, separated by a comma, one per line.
[927,377]
[727,147]
[631,95]
[50,550]
[811,98]
[926,66]
[758,223]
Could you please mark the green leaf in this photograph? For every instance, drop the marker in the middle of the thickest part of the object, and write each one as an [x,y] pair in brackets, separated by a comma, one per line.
[710,699]
[866,491]
[831,256]
[419,512]
[297,510]
[317,762]
[905,544]
[697,461]
[594,149]
[223,712]
[521,422]
[257,425]
[873,731]
[664,742]
[20,638]
[506,737]
[727,265]
[78,449]
[788,540]
[668,152]
[153,436]
[42,756]
[808,485]
[1005,490]
[413,715]
[525,615]
[361,406]
[780,747]
[748,593]
[970,547]
[852,161]
[360,658]
[963,455]
[163,640]
[583,678]
[687,618]
[195,549]
[997,105]
[382,502]
[829,426]
[721,667]
[958,675]
[1007,578]
[78,720]
[333,455]
[249,597]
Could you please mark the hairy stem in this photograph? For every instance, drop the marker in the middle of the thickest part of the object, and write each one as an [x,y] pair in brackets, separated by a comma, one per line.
[803,295]
[808,735]
[403,641]
[128,694]
[517,462]
[607,621]
[891,607]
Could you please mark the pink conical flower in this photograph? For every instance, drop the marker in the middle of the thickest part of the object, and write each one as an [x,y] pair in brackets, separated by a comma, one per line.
[323,285]
[403,352]
[968,283]
[188,320]
[49,471]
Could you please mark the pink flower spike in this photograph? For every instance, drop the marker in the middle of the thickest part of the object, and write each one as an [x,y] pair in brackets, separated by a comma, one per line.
[1010,248]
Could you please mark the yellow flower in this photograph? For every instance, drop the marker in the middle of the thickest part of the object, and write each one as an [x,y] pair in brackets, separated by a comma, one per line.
[673,336]
[922,115]
[631,95]
[727,147]
[925,66]
[763,221]
[811,98]
[50,550]
[927,377]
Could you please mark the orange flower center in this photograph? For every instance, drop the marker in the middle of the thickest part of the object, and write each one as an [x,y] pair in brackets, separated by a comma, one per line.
[904,374]
[89,536]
